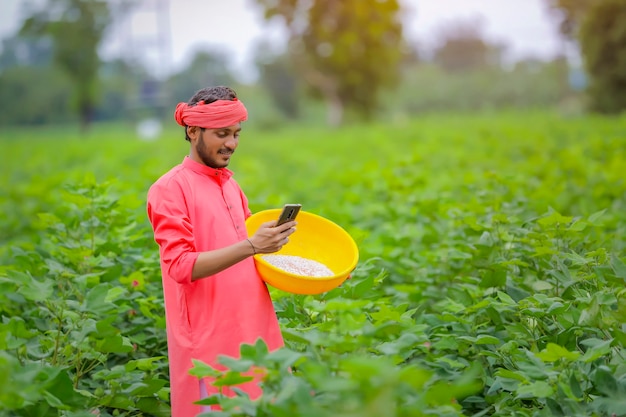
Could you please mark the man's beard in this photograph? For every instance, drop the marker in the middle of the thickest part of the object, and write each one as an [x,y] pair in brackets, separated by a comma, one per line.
[207,159]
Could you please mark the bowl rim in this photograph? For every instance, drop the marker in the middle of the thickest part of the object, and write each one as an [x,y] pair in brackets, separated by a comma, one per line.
[340,275]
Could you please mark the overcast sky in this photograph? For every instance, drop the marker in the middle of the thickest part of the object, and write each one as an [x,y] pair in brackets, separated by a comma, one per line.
[234,25]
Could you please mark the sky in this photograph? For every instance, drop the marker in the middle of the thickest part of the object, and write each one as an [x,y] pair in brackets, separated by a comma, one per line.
[234,26]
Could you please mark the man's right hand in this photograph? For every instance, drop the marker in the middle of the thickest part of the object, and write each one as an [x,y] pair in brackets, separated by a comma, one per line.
[270,238]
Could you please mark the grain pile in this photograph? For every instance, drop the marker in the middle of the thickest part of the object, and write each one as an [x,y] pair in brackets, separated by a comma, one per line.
[299,266]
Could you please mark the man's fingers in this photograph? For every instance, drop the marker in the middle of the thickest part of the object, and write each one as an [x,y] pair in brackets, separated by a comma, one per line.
[286,226]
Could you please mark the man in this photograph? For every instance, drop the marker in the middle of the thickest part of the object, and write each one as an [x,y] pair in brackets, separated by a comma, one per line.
[214,297]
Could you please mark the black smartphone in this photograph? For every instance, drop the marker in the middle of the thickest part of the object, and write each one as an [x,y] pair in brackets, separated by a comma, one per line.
[289,213]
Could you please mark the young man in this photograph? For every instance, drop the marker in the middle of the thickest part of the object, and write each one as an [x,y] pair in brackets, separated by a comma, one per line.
[214,298]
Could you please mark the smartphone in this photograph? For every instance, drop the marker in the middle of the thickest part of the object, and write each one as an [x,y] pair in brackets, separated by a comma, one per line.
[289,213]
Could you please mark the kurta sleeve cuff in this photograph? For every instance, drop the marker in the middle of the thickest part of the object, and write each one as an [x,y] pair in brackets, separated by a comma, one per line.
[181,269]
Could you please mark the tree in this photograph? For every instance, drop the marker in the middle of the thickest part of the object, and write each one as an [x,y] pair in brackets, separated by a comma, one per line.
[603,44]
[34,95]
[279,78]
[571,14]
[120,86]
[76,28]
[206,68]
[463,48]
[347,51]
[25,51]
[29,81]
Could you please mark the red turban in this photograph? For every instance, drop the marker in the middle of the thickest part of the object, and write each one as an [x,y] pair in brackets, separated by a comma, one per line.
[215,115]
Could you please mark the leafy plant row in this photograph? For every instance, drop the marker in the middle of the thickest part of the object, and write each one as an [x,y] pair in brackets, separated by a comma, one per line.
[491,280]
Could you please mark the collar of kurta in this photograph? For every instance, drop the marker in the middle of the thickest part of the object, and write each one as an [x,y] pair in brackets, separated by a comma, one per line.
[219,174]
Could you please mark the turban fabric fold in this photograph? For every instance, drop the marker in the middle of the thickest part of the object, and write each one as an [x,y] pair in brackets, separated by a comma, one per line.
[215,115]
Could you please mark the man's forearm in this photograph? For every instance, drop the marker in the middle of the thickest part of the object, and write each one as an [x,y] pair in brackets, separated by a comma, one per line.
[212,262]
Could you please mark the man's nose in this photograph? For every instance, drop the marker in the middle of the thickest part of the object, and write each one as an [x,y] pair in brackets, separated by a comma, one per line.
[232,142]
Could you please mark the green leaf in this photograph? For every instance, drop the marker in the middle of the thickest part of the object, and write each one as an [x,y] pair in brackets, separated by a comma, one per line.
[538,389]
[54,401]
[293,336]
[201,369]
[598,348]
[121,401]
[414,376]
[578,226]
[505,298]
[495,277]
[146,388]
[256,352]
[235,364]
[556,307]
[613,406]
[115,294]
[144,364]
[605,382]
[405,341]
[286,357]
[115,344]
[48,219]
[555,219]
[487,340]
[154,407]
[554,353]
[452,363]
[17,327]
[618,267]
[443,392]
[105,327]
[506,373]
[596,216]
[96,300]
[231,378]
[574,384]
[213,399]
[364,288]
[61,388]
[37,290]
[533,367]
[485,239]
[576,259]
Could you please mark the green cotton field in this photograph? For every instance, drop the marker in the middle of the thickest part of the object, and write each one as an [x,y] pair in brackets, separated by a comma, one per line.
[491,279]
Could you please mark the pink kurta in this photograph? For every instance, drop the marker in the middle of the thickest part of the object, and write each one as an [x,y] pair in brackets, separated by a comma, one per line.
[195,208]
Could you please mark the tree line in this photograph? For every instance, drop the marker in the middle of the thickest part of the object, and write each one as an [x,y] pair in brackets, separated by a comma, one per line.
[349,57]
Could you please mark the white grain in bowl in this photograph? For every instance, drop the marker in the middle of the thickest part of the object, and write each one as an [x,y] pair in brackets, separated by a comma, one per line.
[299,265]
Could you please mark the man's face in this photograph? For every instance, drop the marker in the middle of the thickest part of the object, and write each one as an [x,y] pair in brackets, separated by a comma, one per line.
[214,147]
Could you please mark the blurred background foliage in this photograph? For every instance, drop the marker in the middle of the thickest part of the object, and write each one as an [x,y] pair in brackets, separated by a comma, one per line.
[345,61]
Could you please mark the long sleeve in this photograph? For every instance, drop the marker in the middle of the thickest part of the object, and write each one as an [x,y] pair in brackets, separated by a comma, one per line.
[173,231]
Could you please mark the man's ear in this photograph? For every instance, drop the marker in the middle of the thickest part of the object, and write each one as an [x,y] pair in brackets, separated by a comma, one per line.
[193,132]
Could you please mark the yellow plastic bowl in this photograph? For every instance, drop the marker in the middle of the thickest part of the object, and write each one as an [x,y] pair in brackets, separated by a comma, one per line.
[315,238]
